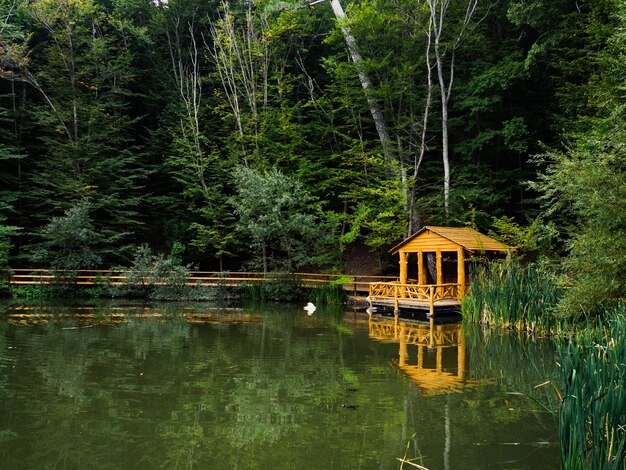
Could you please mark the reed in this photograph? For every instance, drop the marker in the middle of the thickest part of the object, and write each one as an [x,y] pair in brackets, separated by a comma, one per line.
[276,287]
[511,296]
[592,417]
[332,294]
[252,293]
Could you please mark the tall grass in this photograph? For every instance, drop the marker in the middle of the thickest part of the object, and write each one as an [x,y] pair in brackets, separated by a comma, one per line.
[276,287]
[332,294]
[592,418]
[511,296]
[329,294]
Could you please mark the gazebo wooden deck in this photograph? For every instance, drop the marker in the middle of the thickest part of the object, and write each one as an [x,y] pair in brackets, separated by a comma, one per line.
[437,257]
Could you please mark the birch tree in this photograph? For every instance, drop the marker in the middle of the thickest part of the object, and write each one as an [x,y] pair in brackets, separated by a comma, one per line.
[181,32]
[395,62]
[445,55]
[193,158]
[242,57]
[366,83]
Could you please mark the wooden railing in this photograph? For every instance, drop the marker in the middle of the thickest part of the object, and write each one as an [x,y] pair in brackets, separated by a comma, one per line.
[415,292]
[91,277]
[446,335]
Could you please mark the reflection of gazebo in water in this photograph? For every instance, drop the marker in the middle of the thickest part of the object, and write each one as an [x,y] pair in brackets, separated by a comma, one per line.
[433,268]
[441,372]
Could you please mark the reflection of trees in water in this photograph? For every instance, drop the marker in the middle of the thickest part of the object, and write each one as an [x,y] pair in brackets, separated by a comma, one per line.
[56,362]
[6,434]
[269,379]
[63,358]
[4,357]
[517,363]
[154,334]
[87,392]
[247,389]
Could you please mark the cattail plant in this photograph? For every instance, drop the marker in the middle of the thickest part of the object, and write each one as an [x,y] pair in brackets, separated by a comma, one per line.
[592,415]
[511,296]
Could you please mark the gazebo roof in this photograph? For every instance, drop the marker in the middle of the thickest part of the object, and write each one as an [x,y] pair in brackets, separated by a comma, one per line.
[468,238]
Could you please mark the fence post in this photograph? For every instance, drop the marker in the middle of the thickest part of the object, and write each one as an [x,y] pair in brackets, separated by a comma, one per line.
[431,294]
[396,305]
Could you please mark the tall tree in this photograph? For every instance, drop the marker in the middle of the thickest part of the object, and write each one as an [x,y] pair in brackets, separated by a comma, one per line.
[366,83]
[80,68]
[191,131]
[586,184]
[445,45]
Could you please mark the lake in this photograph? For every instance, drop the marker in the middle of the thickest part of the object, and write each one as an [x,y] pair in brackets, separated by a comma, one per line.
[267,387]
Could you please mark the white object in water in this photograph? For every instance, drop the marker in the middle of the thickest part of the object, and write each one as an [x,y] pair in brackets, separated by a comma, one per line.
[310,308]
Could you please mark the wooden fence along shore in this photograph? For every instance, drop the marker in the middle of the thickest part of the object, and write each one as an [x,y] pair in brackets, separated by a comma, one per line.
[433,273]
[356,284]
[382,291]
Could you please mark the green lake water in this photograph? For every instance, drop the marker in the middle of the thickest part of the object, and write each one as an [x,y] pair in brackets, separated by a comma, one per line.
[198,386]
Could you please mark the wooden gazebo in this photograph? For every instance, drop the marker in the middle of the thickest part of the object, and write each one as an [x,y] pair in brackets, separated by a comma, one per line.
[433,268]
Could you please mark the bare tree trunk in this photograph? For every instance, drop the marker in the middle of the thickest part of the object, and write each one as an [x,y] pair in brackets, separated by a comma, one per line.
[366,83]
[414,221]
[438,11]
[445,143]
[185,61]
[242,59]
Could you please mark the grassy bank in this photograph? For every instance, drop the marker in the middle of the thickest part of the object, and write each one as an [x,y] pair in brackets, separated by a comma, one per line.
[282,288]
[331,294]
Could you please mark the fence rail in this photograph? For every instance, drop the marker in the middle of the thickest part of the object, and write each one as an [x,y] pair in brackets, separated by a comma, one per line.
[356,284]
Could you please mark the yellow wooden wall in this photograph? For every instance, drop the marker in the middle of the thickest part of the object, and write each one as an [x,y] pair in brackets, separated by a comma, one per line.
[429,241]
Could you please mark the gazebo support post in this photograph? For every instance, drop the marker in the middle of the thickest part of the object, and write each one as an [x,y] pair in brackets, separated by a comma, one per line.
[421,272]
[439,269]
[403,270]
[461,272]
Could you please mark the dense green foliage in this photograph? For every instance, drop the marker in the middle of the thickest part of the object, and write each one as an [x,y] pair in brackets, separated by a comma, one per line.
[275,136]
[67,243]
[276,213]
[585,185]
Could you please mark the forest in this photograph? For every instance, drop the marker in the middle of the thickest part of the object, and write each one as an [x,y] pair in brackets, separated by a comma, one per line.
[283,135]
